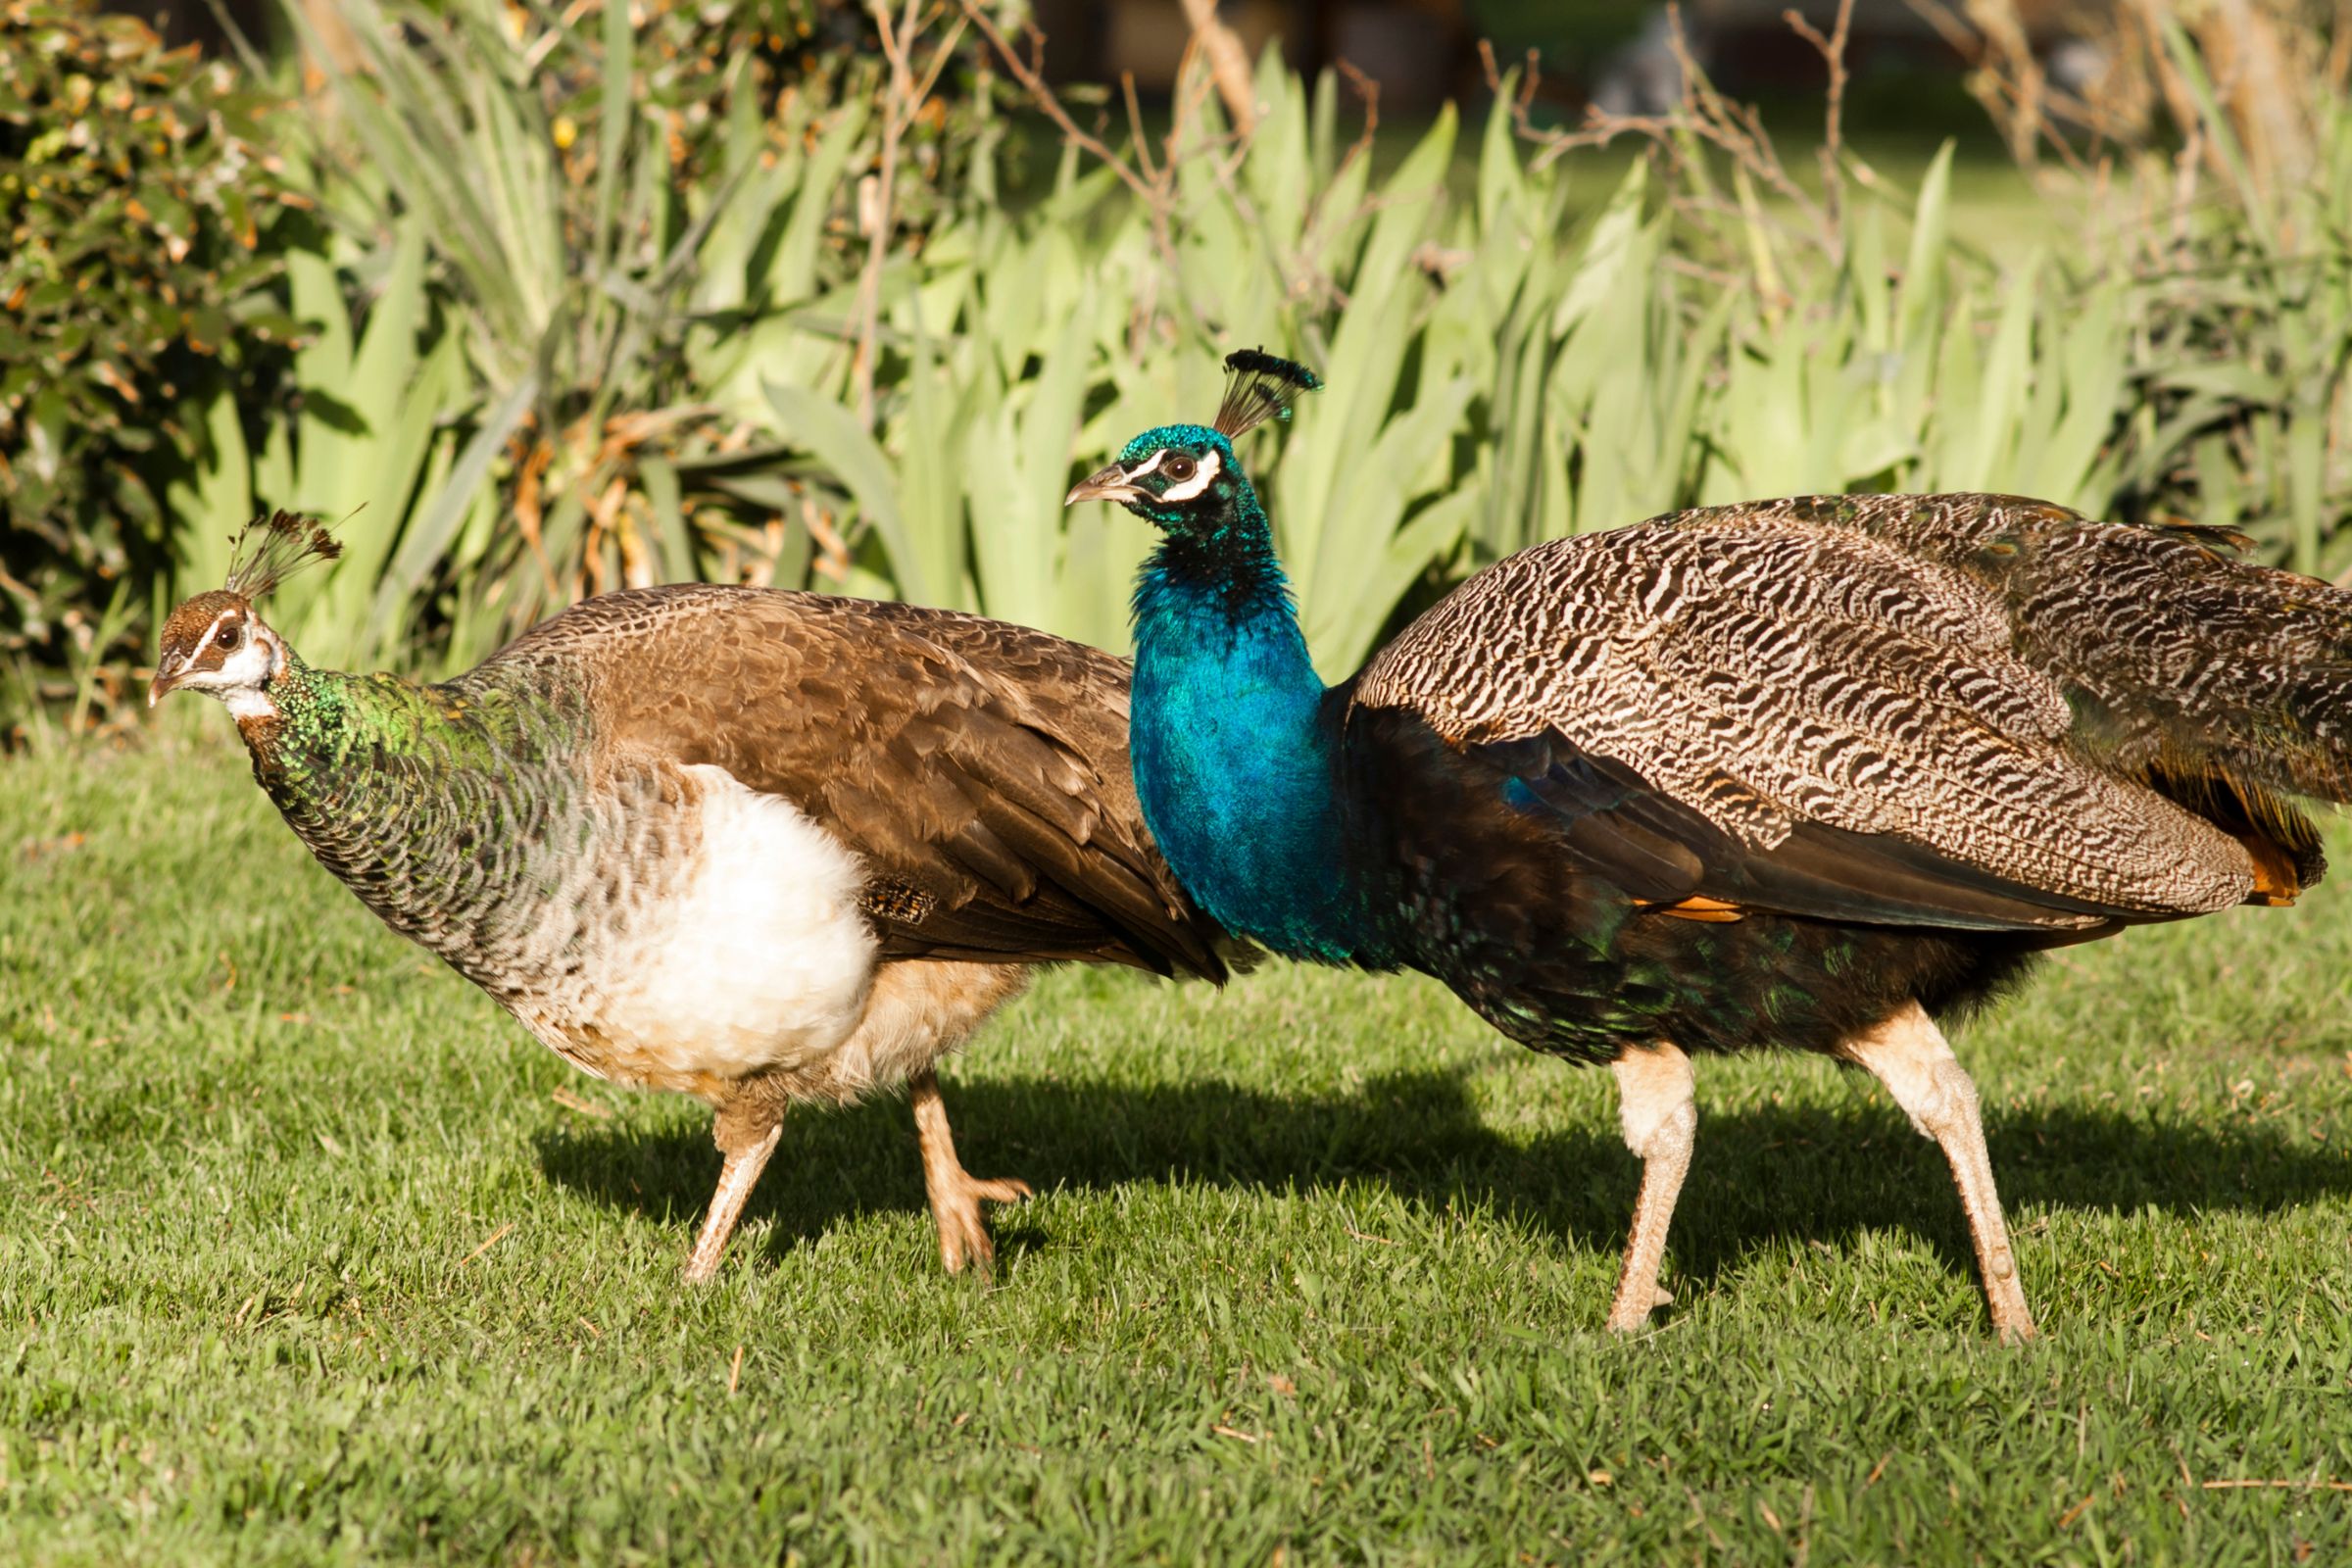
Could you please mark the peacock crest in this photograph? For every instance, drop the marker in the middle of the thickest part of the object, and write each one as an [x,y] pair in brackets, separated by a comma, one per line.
[1259,387]
[269,550]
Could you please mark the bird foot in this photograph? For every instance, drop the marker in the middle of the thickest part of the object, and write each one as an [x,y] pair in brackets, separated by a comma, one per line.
[956,1202]
[1630,1314]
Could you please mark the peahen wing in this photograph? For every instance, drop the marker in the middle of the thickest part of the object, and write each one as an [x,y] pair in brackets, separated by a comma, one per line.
[979,769]
[1822,723]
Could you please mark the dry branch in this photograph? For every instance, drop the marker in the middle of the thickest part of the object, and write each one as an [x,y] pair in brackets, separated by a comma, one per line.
[1228,62]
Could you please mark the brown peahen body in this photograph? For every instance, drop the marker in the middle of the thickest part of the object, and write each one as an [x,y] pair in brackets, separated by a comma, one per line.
[758,847]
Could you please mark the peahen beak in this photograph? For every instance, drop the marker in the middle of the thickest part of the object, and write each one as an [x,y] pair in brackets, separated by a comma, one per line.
[166,678]
[1107,483]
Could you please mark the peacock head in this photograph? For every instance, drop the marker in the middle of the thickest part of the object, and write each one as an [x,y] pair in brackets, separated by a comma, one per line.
[1184,478]
[218,642]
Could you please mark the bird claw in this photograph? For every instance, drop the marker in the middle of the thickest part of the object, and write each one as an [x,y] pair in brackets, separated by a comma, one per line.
[962,1230]
[1625,1317]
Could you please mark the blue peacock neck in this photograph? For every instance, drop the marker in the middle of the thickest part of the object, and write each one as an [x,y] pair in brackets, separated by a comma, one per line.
[1233,761]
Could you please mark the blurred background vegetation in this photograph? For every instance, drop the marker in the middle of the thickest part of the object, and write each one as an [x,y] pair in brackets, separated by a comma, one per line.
[539,300]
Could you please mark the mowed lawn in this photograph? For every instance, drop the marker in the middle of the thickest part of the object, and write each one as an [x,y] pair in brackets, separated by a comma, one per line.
[308,1253]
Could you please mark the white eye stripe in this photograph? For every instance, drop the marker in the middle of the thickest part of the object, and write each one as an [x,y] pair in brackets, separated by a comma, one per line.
[1150,465]
[1200,481]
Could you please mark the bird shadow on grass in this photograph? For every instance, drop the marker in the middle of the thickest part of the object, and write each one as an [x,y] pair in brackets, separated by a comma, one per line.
[1760,1174]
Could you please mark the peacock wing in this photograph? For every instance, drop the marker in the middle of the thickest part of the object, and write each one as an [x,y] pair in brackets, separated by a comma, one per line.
[979,770]
[1822,721]
[2224,683]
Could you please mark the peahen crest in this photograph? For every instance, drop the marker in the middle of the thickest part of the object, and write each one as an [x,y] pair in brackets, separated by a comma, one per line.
[269,550]
[1259,387]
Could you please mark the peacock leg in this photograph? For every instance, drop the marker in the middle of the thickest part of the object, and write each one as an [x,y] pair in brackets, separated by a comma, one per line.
[747,1149]
[956,1195]
[1660,1119]
[1909,1055]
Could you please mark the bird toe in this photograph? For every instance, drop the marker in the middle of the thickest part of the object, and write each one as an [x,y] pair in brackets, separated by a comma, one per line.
[1006,1190]
[966,1242]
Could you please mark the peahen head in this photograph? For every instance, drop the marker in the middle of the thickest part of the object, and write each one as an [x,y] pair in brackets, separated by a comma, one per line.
[1184,478]
[217,642]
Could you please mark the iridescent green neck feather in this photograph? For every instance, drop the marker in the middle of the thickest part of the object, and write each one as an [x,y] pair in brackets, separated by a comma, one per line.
[431,802]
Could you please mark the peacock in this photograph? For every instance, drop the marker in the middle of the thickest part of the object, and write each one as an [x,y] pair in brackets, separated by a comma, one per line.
[760,847]
[1814,772]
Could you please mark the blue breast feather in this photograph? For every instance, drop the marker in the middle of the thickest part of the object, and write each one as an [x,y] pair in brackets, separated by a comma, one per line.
[1234,766]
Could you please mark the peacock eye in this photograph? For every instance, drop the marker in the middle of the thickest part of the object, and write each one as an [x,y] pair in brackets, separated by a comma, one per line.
[1177,466]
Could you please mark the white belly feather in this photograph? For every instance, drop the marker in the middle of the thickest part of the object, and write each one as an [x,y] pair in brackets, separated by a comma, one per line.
[755,957]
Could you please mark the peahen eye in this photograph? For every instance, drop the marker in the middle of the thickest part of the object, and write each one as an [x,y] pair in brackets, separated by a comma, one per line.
[1177,466]
[230,637]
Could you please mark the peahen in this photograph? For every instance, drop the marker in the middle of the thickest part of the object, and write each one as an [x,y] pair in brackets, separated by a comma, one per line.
[759,846]
[1811,772]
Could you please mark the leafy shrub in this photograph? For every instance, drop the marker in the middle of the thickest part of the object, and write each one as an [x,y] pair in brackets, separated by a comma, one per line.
[562,237]
[136,199]
[2210,163]
[599,304]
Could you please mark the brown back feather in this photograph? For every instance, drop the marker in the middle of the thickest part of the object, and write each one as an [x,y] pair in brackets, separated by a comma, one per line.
[979,768]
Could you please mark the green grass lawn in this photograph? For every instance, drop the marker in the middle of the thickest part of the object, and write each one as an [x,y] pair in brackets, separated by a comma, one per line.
[308,1253]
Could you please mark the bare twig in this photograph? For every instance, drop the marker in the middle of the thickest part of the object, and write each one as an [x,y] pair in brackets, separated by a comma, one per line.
[832,550]
[1705,119]
[586,1107]
[1833,54]
[1228,62]
[903,103]
[877,220]
[496,1236]
[2017,72]
[1134,127]
[533,56]
[1033,82]
[1369,91]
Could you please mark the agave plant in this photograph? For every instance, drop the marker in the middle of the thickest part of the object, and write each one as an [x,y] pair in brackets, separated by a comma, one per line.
[582,312]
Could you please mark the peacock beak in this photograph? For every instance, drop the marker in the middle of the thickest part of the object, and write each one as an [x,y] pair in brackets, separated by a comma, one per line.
[1107,483]
[168,673]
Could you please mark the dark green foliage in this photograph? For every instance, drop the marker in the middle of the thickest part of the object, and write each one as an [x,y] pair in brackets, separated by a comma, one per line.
[582,238]
[1526,355]
[137,193]
[2245,420]
[701,65]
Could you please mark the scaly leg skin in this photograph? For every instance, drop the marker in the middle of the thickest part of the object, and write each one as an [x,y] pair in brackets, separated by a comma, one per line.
[1909,1055]
[1660,1119]
[955,1196]
[736,1179]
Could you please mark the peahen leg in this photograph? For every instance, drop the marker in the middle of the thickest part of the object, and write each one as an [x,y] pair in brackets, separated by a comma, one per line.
[747,1148]
[1660,1119]
[1909,1055]
[956,1195]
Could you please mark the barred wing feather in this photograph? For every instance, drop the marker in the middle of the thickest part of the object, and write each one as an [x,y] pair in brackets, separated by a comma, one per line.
[1806,705]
